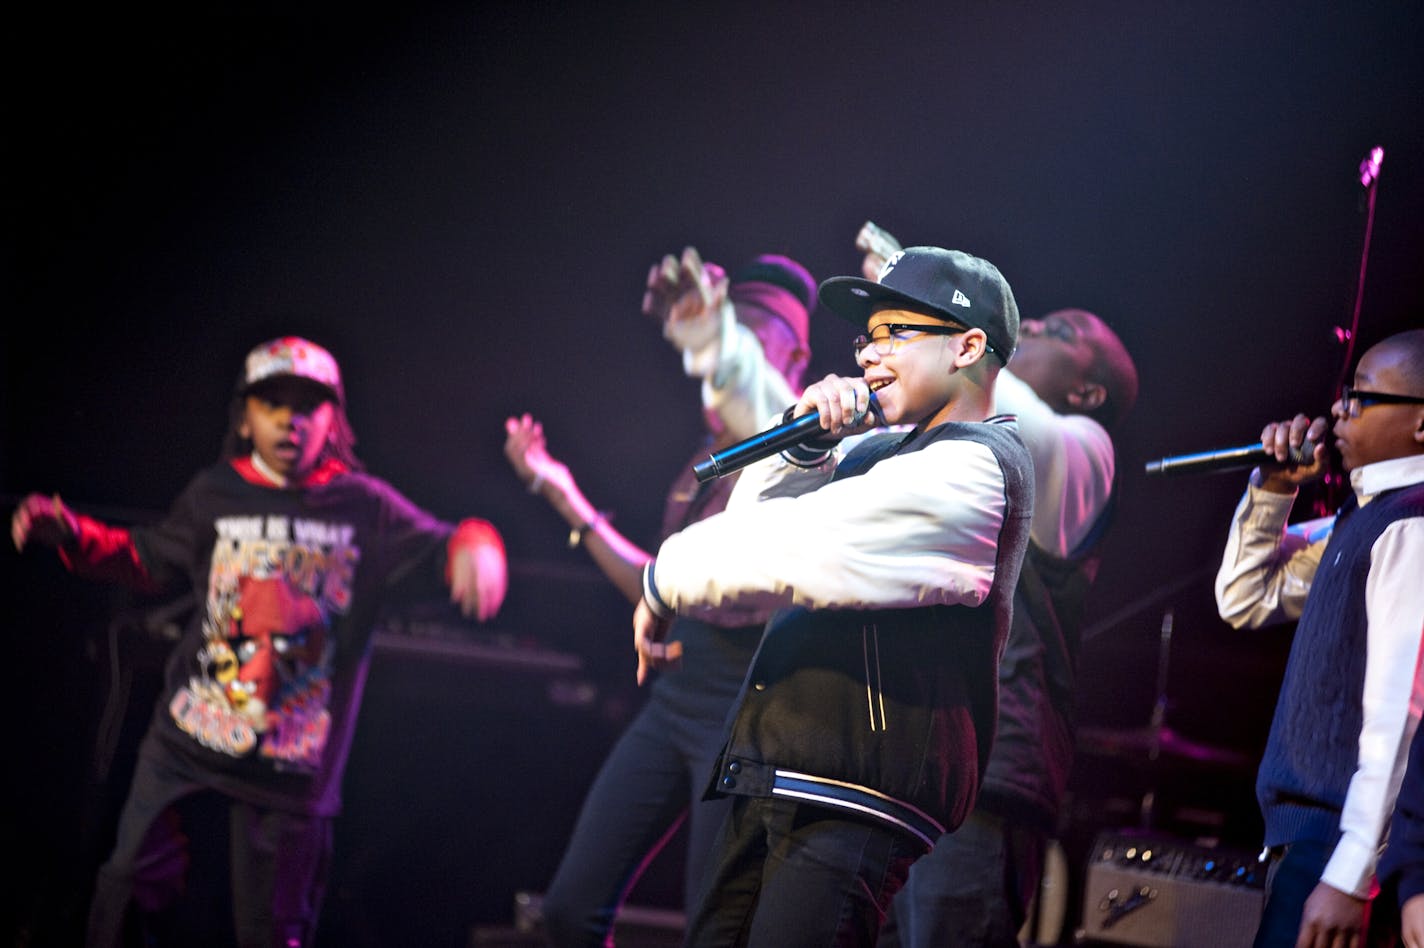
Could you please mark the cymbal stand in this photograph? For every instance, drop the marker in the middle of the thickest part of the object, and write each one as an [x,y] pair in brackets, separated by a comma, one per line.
[1159,716]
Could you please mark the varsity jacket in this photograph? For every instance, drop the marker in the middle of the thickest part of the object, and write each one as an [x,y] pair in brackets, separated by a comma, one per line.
[891,569]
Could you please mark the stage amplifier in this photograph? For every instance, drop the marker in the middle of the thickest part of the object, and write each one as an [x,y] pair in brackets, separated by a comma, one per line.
[1155,891]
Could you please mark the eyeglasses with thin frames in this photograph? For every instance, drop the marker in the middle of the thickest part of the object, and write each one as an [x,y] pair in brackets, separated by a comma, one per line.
[887,337]
[1356,400]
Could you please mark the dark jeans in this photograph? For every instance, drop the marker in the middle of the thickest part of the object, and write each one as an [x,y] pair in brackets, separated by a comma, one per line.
[655,774]
[190,866]
[1290,878]
[974,888]
[788,873]
[1293,874]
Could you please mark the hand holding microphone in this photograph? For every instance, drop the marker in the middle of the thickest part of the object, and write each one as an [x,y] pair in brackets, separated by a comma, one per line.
[1297,453]
[847,407]
[1290,453]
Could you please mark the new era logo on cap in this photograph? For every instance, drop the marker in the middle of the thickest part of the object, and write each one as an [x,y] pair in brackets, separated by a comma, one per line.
[946,284]
[889,264]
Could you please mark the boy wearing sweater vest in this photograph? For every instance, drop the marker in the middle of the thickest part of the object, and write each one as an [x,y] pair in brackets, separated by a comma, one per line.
[1349,702]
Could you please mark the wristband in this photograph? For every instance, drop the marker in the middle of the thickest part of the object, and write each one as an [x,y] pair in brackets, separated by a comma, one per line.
[650,593]
[576,533]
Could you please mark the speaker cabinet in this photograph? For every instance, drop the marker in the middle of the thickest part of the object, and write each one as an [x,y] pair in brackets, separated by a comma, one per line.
[1155,891]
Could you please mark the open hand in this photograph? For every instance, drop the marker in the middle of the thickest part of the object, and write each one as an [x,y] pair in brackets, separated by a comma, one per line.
[527,451]
[683,293]
[479,573]
[44,520]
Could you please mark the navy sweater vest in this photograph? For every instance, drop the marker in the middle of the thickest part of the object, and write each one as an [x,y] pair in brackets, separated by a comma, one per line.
[1314,741]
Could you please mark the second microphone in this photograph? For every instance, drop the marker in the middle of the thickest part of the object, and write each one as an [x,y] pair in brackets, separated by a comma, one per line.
[1226,459]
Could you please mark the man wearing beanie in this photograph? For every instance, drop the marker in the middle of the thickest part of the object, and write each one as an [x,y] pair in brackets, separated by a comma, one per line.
[885,566]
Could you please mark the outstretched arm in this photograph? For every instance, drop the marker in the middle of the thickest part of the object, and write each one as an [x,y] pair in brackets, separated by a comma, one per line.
[619,559]
[86,546]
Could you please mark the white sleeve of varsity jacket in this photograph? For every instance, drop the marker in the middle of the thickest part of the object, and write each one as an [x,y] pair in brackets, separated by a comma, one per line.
[917,529]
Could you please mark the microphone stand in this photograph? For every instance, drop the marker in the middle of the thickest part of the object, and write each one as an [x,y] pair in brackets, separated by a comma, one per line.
[1334,481]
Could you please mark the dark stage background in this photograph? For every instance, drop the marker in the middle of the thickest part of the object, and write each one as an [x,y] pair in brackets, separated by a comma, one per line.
[462,203]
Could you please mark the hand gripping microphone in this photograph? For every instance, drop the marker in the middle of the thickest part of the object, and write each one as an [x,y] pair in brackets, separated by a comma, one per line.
[788,434]
[1227,459]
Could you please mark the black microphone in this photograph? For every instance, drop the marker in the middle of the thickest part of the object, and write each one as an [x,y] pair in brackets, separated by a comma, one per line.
[788,434]
[1227,459]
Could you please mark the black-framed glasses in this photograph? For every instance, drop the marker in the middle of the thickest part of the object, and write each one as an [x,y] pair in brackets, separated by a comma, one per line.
[886,337]
[1356,400]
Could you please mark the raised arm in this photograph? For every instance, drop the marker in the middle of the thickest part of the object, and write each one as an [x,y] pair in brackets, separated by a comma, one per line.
[619,558]
[740,386]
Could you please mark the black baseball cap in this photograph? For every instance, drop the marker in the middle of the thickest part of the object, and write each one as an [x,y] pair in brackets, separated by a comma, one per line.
[947,284]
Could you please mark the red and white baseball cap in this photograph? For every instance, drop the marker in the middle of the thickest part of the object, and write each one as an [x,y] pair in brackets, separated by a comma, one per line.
[293,357]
